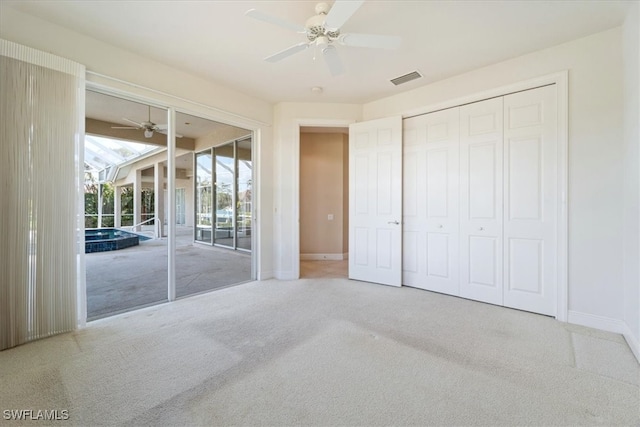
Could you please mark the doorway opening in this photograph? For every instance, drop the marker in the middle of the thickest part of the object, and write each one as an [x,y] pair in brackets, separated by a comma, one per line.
[324,202]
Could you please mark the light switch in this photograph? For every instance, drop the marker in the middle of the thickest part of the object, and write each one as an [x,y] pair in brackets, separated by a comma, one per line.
[330,217]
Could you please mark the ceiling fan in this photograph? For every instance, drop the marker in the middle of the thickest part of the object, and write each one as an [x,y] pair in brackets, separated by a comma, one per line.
[323,31]
[149,127]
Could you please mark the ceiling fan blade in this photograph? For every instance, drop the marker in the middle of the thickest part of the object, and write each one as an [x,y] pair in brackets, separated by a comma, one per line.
[161,127]
[333,60]
[164,131]
[261,16]
[135,123]
[340,13]
[123,127]
[287,52]
[370,40]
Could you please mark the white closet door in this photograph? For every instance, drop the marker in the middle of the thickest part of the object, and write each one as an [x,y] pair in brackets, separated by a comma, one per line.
[481,144]
[430,201]
[375,201]
[530,200]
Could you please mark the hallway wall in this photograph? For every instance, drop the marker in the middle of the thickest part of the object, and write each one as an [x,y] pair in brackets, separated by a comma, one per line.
[322,187]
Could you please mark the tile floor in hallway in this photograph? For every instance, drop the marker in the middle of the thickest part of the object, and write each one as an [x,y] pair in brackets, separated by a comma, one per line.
[324,269]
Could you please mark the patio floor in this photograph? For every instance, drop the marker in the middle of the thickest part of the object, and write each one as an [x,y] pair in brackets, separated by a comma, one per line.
[119,281]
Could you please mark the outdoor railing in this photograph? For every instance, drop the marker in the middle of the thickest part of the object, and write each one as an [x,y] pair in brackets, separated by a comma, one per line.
[143,222]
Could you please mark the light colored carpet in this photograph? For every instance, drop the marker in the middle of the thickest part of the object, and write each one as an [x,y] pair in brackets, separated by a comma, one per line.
[326,352]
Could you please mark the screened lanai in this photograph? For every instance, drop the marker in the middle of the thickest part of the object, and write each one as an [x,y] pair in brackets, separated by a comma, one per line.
[103,157]
[126,184]
[103,153]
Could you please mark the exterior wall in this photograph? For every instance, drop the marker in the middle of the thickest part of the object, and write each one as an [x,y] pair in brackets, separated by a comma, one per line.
[222,136]
[595,155]
[187,184]
[147,180]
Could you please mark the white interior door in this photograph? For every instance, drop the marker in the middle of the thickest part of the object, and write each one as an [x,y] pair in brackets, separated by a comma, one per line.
[375,201]
[430,201]
[531,200]
[481,150]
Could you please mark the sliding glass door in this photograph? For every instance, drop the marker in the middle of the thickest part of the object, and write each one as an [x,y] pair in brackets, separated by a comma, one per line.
[224,177]
[225,185]
[126,258]
[203,259]
[243,204]
[204,198]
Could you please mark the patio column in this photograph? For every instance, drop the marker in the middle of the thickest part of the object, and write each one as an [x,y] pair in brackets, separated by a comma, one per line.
[158,181]
[137,200]
[117,206]
[99,205]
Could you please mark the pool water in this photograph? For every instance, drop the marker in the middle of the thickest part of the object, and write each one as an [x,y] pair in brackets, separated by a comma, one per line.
[109,239]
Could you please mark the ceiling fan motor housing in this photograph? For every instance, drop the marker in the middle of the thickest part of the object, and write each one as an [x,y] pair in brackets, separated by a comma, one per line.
[316,25]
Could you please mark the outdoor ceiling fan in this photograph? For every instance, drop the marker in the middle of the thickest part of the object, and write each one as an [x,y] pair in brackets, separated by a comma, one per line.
[149,127]
[323,31]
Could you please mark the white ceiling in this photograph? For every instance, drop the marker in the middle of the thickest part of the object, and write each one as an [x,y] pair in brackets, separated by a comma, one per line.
[214,39]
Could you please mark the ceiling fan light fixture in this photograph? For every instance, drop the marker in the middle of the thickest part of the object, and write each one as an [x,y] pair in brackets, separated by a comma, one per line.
[322,42]
[148,133]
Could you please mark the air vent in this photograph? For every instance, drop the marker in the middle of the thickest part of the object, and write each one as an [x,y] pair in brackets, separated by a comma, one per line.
[406,78]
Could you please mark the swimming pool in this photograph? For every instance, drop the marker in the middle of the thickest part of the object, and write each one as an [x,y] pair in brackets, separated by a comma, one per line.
[109,239]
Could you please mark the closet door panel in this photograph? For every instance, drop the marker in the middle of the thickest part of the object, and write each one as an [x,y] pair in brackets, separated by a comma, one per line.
[481,198]
[430,201]
[438,255]
[413,202]
[531,194]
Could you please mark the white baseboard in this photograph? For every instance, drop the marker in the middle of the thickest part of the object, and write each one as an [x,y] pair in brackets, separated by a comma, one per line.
[597,322]
[322,257]
[633,341]
[284,275]
[265,275]
[607,324]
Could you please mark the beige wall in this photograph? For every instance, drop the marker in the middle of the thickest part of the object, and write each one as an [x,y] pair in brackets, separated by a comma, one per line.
[345,194]
[322,188]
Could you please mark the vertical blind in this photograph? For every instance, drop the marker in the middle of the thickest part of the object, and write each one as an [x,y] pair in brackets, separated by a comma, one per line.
[41,126]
